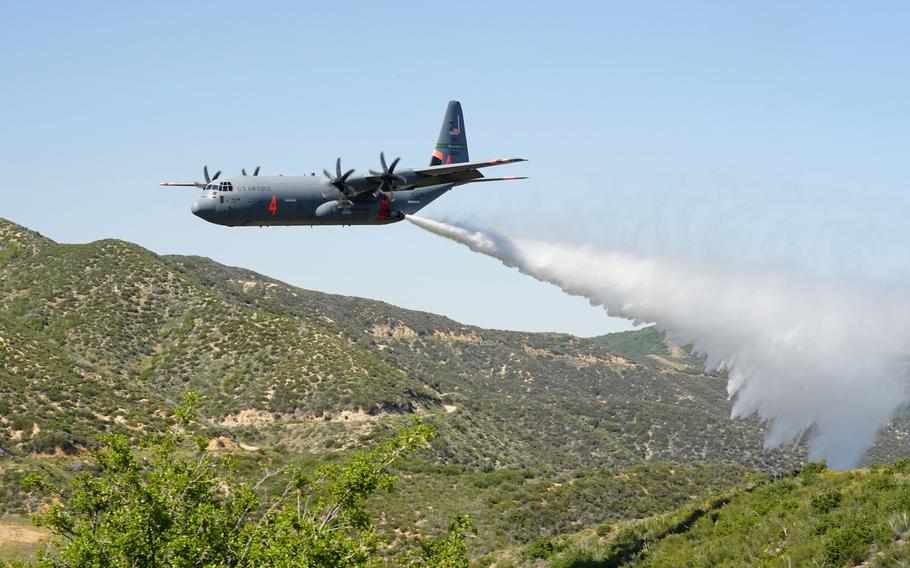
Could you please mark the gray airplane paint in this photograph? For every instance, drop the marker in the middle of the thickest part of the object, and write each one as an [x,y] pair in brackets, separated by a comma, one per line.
[344,198]
[293,200]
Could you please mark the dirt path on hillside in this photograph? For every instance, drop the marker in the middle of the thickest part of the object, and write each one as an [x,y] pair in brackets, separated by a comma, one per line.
[23,534]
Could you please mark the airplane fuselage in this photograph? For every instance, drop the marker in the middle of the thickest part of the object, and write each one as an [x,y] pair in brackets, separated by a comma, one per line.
[304,200]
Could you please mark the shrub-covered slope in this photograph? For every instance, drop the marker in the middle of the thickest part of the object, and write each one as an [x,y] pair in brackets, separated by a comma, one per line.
[522,399]
[814,518]
[102,336]
[88,326]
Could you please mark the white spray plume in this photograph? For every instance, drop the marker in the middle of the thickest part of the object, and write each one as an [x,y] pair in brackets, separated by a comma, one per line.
[818,359]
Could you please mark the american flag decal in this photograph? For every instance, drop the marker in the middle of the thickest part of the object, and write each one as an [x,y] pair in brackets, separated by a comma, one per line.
[457,130]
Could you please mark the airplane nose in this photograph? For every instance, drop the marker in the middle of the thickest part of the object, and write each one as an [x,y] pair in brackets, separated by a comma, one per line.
[203,208]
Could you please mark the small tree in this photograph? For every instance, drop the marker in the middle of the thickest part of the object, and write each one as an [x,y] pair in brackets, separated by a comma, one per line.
[446,551]
[167,504]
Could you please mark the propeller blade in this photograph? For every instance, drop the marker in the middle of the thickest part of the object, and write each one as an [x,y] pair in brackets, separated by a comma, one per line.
[243,171]
[339,179]
[218,173]
[382,191]
[256,171]
[387,175]
[205,170]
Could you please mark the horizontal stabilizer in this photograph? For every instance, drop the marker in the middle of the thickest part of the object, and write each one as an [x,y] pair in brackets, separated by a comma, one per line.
[509,178]
[434,171]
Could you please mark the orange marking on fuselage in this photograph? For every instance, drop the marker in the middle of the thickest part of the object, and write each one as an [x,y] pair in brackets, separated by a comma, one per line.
[384,208]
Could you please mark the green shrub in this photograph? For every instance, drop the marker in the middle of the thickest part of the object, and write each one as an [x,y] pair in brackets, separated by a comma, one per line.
[827,501]
[823,525]
[540,548]
[811,471]
[849,543]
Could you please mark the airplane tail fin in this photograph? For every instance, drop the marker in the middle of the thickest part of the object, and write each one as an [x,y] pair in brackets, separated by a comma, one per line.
[452,145]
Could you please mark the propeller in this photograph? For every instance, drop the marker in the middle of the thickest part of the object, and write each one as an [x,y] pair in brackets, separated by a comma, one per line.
[255,172]
[199,184]
[205,170]
[388,172]
[384,188]
[387,177]
[339,180]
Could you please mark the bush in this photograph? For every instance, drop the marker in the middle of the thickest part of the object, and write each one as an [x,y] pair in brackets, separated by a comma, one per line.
[848,544]
[540,548]
[827,501]
[811,471]
[604,529]
[448,551]
[49,441]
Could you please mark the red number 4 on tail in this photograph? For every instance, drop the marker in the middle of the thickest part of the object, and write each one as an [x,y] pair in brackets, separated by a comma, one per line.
[273,205]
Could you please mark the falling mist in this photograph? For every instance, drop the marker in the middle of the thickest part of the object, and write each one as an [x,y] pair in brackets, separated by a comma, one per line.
[819,360]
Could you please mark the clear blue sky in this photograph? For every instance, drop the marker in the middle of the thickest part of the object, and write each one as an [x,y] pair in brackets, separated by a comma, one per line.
[631,110]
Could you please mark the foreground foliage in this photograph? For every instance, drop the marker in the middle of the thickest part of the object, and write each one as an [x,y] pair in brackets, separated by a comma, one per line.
[814,518]
[166,504]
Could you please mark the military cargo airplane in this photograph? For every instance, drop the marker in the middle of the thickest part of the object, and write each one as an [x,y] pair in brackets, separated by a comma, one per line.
[344,198]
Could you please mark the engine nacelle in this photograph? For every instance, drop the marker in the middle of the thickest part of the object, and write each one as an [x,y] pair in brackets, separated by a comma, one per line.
[332,207]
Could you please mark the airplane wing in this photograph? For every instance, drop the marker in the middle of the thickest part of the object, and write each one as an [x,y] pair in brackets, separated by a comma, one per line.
[507,178]
[182,184]
[450,169]
[452,173]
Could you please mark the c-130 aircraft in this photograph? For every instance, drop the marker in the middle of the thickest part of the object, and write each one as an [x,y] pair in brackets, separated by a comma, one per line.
[344,198]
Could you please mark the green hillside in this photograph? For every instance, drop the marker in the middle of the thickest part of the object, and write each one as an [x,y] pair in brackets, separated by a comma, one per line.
[540,435]
[814,518]
[128,326]
[122,333]
[638,345]
[649,346]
